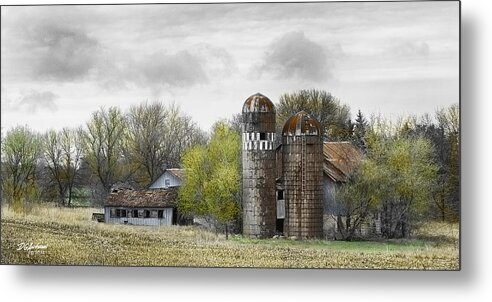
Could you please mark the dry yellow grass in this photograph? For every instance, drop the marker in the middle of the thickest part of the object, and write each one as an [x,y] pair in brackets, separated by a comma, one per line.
[71,238]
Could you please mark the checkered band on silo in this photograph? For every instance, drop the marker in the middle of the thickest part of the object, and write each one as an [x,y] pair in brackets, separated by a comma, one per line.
[258,167]
[303,177]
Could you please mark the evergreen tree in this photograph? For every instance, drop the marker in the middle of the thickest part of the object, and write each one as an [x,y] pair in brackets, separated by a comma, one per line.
[359,133]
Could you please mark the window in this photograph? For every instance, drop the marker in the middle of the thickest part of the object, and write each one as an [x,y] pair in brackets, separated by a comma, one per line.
[120,213]
[167,182]
[280,194]
[262,136]
[160,214]
[147,214]
[135,213]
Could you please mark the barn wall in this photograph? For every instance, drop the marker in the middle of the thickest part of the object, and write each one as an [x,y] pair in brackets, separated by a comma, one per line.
[330,204]
[161,184]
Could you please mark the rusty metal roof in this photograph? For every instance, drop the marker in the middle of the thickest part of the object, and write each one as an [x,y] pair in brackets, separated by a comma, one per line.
[341,159]
[301,124]
[143,199]
[179,173]
[258,103]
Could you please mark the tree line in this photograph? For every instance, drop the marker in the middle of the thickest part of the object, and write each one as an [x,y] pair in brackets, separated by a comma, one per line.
[410,171]
[113,146]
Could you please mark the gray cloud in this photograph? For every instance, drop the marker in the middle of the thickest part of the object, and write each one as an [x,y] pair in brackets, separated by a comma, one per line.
[161,70]
[63,54]
[34,101]
[217,61]
[295,56]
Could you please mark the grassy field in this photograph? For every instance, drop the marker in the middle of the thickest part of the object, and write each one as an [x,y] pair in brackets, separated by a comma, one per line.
[61,236]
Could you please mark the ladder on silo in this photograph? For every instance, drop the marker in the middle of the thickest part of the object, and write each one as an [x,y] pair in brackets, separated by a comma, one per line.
[303,163]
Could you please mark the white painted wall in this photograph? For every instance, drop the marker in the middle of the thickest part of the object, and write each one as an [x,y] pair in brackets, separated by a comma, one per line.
[160,182]
[167,218]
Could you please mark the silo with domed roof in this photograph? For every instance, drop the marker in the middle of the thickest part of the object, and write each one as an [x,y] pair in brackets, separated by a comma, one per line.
[302,163]
[258,167]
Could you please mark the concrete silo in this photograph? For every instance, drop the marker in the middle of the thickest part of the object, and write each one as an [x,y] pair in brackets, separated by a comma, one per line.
[258,167]
[302,163]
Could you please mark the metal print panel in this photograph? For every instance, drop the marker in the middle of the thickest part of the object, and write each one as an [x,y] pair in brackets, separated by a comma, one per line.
[265,135]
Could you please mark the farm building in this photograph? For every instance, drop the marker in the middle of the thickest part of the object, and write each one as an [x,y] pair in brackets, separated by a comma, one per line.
[341,160]
[258,167]
[302,172]
[170,178]
[296,208]
[290,189]
[150,207]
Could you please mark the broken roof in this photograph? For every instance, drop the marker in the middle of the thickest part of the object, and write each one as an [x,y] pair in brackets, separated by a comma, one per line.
[176,172]
[341,159]
[141,199]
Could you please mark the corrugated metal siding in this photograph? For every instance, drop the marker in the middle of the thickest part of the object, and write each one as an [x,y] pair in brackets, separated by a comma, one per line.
[160,183]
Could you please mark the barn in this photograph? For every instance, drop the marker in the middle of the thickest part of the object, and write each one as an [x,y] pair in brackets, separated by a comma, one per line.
[149,207]
[340,161]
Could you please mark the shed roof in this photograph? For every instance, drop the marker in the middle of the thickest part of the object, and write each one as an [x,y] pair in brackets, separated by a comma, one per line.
[179,173]
[140,199]
[341,159]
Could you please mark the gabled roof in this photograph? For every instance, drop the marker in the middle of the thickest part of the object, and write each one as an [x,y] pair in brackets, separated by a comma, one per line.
[341,159]
[175,172]
[140,199]
[179,173]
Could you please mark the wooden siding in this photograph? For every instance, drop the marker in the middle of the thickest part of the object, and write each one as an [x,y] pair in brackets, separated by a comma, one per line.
[280,209]
[160,183]
[167,217]
[330,205]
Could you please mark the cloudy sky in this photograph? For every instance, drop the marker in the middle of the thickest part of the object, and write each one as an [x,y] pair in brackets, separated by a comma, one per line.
[60,63]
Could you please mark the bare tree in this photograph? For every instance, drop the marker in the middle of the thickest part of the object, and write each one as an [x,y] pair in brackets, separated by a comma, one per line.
[157,138]
[62,154]
[103,144]
[146,133]
[332,115]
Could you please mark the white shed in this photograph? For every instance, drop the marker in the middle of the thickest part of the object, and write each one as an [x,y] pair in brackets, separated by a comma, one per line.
[169,179]
[153,207]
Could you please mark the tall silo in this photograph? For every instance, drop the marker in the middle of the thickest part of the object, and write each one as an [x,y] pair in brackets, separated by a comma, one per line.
[303,176]
[258,167]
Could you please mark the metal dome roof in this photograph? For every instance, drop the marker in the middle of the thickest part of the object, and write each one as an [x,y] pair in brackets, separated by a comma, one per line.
[301,124]
[258,103]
